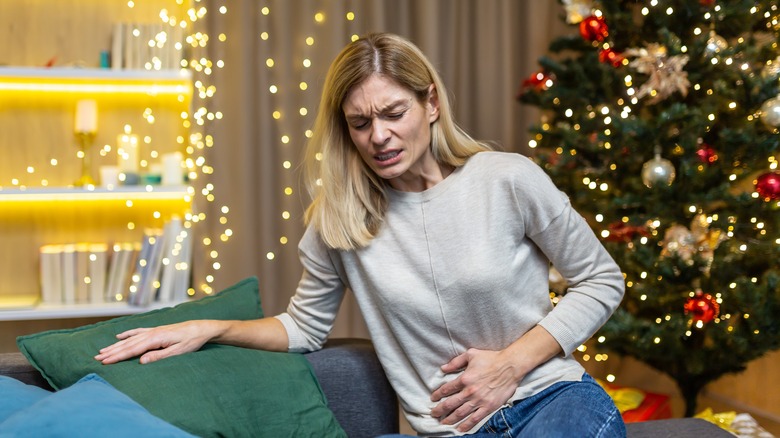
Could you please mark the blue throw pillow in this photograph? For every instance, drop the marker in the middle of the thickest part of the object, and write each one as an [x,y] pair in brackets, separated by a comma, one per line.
[90,407]
[15,396]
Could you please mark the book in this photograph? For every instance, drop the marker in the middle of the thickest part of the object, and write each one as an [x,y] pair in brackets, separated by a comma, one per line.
[175,47]
[51,274]
[68,264]
[131,46]
[183,268]
[151,280]
[133,293]
[123,261]
[145,279]
[82,275]
[113,268]
[117,46]
[98,261]
[171,254]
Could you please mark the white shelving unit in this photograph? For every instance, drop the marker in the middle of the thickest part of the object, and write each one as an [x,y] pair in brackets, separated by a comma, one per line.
[76,193]
[95,80]
[62,311]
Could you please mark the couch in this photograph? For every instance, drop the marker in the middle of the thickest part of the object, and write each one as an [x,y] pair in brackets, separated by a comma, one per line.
[363,401]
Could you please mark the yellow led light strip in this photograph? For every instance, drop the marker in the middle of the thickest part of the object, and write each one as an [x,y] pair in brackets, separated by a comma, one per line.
[77,194]
[95,81]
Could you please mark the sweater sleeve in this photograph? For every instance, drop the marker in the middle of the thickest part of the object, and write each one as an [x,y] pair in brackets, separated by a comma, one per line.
[312,310]
[596,284]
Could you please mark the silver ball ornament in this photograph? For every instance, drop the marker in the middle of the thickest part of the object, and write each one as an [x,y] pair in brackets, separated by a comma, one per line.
[772,69]
[770,112]
[658,171]
[715,44]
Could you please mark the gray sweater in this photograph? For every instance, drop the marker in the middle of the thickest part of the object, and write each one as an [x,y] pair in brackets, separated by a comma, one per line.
[462,265]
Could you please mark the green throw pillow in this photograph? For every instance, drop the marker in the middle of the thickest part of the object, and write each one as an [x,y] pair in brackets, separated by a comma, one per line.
[217,391]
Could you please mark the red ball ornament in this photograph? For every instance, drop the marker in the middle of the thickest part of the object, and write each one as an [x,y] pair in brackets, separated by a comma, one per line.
[539,80]
[768,186]
[706,2]
[621,232]
[702,307]
[707,154]
[610,56]
[594,28]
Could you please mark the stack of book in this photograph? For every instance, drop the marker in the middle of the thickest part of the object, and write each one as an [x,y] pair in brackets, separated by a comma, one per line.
[147,46]
[155,269]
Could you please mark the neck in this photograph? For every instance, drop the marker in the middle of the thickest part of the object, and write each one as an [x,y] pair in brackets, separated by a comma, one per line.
[422,180]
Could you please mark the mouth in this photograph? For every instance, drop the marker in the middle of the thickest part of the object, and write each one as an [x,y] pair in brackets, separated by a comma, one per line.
[388,157]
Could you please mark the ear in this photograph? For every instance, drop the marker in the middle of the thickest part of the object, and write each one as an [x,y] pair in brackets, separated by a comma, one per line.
[433,104]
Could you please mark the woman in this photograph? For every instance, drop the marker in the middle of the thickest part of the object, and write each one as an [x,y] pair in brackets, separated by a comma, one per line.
[446,246]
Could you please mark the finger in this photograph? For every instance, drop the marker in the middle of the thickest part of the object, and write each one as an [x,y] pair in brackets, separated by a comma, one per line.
[457,363]
[119,345]
[125,349]
[131,332]
[118,355]
[447,389]
[110,350]
[443,409]
[463,411]
[473,420]
[165,351]
[154,356]
[123,339]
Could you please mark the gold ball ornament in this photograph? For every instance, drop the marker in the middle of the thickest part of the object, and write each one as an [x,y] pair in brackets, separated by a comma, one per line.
[770,112]
[658,171]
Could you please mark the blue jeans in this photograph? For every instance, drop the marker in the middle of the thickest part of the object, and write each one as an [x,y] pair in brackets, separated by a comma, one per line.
[565,409]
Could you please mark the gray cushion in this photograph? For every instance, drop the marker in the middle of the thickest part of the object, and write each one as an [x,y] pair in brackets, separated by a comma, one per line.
[346,368]
[676,428]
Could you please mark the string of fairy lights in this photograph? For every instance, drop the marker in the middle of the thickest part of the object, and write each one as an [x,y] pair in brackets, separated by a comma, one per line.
[194,122]
[293,131]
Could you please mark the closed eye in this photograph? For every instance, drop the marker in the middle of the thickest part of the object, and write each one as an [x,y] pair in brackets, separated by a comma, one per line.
[359,123]
[395,116]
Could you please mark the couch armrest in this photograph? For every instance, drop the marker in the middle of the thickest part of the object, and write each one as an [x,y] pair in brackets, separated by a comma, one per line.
[16,365]
[356,388]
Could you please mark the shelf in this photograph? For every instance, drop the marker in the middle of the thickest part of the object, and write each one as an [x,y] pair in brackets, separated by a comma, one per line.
[95,80]
[45,194]
[43,206]
[62,311]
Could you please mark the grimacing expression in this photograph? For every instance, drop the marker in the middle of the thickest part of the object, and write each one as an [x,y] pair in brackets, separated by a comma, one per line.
[391,129]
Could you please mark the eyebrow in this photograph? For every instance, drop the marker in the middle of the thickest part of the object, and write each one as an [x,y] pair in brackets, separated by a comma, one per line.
[392,106]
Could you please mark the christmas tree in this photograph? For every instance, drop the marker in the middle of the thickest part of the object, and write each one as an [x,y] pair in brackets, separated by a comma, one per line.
[660,120]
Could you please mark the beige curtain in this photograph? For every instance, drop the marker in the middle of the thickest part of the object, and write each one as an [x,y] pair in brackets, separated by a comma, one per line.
[274,63]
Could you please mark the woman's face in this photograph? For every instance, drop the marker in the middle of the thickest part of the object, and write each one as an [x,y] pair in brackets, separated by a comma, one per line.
[392,130]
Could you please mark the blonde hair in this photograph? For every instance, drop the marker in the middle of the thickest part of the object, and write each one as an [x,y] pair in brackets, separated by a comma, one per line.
[348,199]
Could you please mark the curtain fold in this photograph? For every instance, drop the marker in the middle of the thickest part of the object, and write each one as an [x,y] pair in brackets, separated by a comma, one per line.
[275,61]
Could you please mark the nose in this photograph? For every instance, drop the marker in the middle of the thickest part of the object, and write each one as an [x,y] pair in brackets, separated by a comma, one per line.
[380,133]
